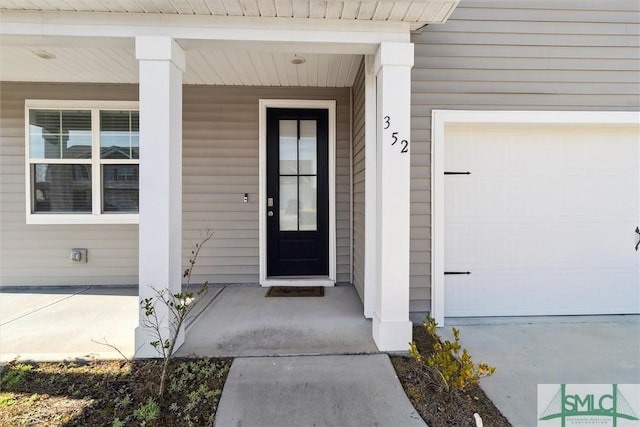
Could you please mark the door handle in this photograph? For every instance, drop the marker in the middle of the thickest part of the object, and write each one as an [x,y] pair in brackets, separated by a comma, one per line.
[638,233]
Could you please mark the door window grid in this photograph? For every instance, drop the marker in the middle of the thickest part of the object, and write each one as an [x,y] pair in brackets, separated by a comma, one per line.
[298,191]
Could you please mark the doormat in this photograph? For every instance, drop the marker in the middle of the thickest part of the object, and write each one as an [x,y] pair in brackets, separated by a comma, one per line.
[295,291]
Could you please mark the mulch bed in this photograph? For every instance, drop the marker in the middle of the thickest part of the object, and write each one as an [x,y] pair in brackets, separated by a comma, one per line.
[111,393]
[440,408]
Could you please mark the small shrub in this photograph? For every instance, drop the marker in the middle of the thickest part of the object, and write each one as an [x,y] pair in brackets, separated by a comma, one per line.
[457,370]
[7,399]
[147,413]
[180,306]
[123,402]
[14,376]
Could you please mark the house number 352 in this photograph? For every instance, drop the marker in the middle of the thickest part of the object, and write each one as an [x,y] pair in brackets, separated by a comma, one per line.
[404,144]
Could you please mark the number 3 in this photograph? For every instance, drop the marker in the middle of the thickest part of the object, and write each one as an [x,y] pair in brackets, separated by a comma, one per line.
[387,122]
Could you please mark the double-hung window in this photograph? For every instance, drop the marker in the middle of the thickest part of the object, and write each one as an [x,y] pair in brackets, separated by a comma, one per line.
[82,162]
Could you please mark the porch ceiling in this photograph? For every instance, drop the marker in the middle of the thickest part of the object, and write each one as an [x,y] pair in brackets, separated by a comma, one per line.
[416,12]
[117,64]
[227,42]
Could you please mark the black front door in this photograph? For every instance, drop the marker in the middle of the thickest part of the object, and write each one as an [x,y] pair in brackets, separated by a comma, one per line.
[297,192]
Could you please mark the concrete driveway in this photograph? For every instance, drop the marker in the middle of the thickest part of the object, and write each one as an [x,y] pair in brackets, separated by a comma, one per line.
[529,351]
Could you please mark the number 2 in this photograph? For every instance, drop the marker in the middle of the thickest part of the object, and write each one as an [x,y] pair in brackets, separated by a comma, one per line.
[387,122]
[404,146]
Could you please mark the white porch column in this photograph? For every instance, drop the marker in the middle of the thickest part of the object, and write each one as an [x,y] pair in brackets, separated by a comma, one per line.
[162,63]
[370,205]
[391,324]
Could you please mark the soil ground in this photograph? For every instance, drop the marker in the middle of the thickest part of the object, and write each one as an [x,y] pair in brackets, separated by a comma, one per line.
[440,408]
[111,393]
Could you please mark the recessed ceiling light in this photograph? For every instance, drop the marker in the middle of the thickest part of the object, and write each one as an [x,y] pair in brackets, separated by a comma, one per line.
[43,54]
[298,60]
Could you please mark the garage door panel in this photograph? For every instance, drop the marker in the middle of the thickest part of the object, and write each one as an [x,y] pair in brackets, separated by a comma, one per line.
[544,221]
[589,245]
[524,199]
[526,292]
[531,150]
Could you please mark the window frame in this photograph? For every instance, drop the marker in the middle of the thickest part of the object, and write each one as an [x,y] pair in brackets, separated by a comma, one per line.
[96,216]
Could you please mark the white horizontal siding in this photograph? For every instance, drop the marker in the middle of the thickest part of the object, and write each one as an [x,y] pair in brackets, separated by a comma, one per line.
[39,254]
[220,149]
[515,55]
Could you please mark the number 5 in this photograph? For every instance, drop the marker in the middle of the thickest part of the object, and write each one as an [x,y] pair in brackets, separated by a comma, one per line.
[395,138]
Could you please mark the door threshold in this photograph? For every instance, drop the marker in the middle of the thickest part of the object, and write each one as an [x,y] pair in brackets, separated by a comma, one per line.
[298,281]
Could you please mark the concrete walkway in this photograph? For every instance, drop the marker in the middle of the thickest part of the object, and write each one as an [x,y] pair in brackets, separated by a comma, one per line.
[529,351]
[344,391]
[50,324]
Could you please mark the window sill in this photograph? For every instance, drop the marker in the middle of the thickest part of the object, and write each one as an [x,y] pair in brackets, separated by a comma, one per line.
[83,219]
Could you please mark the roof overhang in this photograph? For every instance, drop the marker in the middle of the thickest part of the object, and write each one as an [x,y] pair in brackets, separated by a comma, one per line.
[415,13]
[93,44]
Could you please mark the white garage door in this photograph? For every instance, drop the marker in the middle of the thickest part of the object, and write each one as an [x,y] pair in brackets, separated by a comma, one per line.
[545,223]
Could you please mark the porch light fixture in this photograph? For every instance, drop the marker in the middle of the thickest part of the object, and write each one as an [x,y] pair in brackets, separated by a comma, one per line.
[43,54]
[298,60]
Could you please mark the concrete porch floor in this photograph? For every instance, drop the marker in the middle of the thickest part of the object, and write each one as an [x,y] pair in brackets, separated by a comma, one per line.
[43,324]
[241,321]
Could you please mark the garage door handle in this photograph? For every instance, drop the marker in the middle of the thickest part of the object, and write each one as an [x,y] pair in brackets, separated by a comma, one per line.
[638,232]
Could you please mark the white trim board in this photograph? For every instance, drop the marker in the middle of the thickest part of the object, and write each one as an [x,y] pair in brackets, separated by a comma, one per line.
[440,119]
[298,34]
[329,105]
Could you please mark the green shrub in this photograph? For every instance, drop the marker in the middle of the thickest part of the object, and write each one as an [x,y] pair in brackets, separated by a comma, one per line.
[457,370]
[14,376]
[7,399]
[147,413]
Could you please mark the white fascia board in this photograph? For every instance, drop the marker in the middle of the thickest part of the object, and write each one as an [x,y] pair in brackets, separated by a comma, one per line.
[291,46]
[66,41]
[329,33]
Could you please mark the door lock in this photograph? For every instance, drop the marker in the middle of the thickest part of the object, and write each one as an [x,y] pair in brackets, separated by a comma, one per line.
[270,213]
